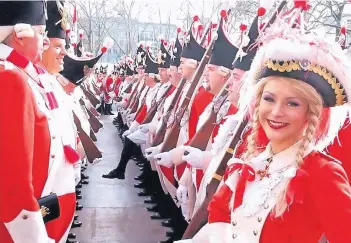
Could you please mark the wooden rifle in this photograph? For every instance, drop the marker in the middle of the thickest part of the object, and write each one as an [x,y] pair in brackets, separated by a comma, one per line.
[91,151]
[142,103]
[92,98]
[172,137]
[132,96]
[203,135]
[95,124]
[201,216]
[155,105]
[96,89]
[161,132]
[92,135]
[134,106]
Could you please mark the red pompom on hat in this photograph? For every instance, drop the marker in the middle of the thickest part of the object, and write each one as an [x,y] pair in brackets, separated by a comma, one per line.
[261,11]
[196,18]
[223,13]
[179,30]
[243,27]
[303,4]
[343,30]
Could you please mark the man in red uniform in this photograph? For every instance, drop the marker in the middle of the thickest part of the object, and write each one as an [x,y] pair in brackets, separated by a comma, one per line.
[29,149]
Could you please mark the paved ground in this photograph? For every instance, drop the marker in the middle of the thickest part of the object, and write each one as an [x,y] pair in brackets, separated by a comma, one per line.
[113,213]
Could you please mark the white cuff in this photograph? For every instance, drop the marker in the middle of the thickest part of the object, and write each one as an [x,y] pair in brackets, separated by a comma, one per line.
[28,227]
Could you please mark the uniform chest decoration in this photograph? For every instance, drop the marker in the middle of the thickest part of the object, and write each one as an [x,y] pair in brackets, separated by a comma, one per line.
[36,76]
[255,197]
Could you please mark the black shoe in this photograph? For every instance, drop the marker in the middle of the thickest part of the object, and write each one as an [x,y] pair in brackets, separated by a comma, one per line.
[153,208]
[79,186]
[150,200]
[83,169]
[79,196]
[143,193]
[140,185]
[75,217]
[166,223]
[115,174]
[169,240]
[71,241]
[139,177]
[84,176]
[170,233]
[76,224]
[157,216]
[78,191]
[85,182]
[72,235]
[79,207]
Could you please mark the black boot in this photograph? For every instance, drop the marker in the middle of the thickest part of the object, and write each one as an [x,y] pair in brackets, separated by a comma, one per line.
[115,174]
[109,110]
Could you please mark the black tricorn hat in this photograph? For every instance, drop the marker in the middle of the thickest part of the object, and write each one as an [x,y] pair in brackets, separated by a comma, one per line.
[176,51]
[73,68]
[224,51]
[151,66]
[23,12]
[244,63]
[164,57]
[192,49]
[56,24]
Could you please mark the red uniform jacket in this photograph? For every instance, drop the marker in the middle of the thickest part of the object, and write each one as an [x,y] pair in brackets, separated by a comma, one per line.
[325,208]
[202,99]
[24,149]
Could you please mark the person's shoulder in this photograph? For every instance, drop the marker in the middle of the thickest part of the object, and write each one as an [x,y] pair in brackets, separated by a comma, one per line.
[11,76]
[322,166]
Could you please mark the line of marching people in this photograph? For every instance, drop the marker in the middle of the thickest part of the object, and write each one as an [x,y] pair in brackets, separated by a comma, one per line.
[241,138]
[48,122]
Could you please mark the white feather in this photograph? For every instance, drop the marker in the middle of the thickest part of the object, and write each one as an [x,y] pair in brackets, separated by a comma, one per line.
[108,42]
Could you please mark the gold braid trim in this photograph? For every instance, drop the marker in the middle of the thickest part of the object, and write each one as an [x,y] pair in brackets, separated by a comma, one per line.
[294,65]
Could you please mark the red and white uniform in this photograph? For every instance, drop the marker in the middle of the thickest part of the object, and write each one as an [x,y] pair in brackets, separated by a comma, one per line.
[31,150]
[65,187]
[320,199]
[108,90]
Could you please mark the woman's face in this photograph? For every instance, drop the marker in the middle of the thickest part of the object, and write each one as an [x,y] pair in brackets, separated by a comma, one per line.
[283,113]
[53,56]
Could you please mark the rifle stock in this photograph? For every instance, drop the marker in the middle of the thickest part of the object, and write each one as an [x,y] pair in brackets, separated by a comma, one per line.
[97,91]
[201,216]
[95,124]
[92,98]
[91,151]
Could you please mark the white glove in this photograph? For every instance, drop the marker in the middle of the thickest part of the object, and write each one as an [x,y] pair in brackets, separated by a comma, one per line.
[194,158]
[164,159]
[182,194]
[144,128]
[151,152]
[126,133]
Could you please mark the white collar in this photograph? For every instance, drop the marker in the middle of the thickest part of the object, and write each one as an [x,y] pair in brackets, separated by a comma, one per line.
[281,160]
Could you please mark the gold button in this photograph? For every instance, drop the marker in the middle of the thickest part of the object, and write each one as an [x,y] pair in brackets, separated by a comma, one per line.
[255,232]
[52,156]
[24,216]
[234,223]
[259,219]
[234,235]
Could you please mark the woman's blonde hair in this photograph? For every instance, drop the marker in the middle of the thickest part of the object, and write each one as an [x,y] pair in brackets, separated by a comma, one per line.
[314,113]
